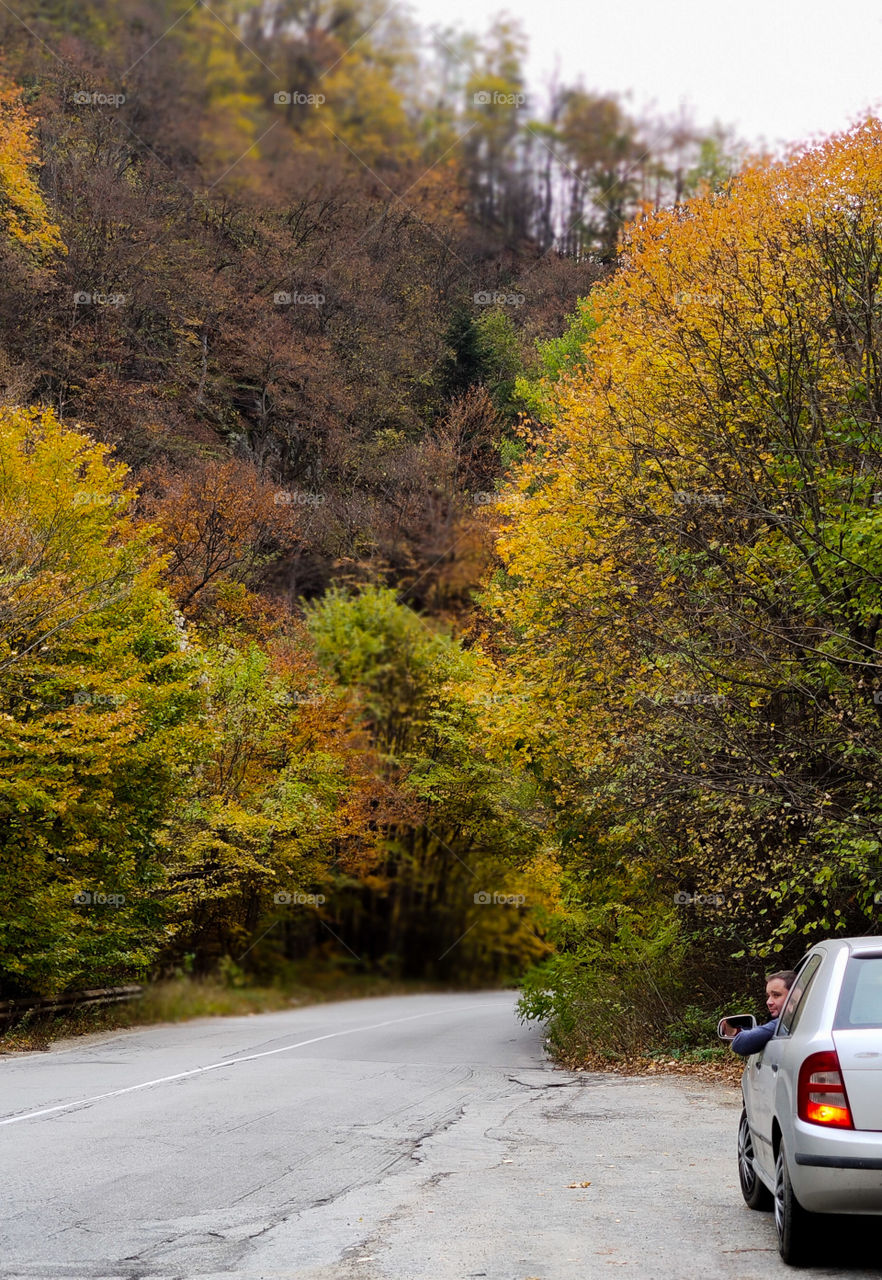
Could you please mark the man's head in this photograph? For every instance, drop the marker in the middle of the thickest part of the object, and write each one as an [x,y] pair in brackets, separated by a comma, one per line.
[777,990]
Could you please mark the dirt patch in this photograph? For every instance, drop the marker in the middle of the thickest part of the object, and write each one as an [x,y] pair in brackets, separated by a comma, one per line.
[718,1070]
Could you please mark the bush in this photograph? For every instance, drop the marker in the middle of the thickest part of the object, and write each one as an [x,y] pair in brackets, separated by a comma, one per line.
[615,992]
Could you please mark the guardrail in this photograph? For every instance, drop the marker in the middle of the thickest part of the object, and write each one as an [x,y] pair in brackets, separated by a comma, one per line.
[12,1009]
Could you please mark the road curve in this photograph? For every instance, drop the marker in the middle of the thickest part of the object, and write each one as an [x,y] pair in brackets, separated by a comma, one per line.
[404,1138]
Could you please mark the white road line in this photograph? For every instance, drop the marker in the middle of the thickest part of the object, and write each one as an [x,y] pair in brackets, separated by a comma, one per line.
[227,1062]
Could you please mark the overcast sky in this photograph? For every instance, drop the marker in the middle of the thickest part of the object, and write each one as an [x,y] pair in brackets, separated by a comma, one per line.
[779,70]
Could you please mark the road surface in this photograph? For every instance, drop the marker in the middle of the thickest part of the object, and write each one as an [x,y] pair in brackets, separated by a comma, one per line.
[404,1138]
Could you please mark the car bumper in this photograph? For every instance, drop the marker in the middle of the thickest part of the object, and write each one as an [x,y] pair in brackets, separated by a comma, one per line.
[836,1170]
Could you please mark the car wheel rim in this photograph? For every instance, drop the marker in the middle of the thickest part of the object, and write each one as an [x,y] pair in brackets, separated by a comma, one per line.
[779,1195]
[745,1155]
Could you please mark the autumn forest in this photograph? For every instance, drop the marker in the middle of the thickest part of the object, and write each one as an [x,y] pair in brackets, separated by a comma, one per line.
[438,520]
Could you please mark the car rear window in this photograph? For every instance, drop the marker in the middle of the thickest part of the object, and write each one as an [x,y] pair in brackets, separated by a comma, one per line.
[860,1001]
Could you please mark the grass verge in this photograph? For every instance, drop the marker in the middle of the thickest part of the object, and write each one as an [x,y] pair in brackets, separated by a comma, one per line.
[180,999]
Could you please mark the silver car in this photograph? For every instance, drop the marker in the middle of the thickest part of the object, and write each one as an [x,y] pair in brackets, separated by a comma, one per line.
[810,1135]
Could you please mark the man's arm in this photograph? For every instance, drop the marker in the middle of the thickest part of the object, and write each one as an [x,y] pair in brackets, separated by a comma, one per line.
[748,1042]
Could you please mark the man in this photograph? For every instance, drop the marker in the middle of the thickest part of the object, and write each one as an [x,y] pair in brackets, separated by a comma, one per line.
[777,990]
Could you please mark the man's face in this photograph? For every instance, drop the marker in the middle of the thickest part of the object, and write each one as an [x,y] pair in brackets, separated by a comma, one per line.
[776,996]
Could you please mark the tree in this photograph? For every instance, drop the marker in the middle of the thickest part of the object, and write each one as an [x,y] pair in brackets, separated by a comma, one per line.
[690,570]
[99,719]
[284,807]
[216,111]
[468,875]
[605,152]
[219,522]
[23,210]
[492,144]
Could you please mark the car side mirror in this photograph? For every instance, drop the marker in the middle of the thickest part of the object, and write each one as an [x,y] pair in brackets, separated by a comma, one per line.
[737,1021]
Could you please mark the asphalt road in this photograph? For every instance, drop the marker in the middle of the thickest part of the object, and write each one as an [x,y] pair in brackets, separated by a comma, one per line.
[405,1138]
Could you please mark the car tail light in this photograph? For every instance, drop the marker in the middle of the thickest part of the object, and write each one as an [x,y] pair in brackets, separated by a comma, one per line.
[821,1096]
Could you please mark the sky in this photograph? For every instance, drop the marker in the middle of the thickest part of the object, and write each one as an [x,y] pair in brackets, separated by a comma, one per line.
[778,70]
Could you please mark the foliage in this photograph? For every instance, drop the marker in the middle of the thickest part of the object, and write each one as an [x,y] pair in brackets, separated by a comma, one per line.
[503,358]
[556,358]
[615,991]
[388,654]
[253,257]
[281,794]
[219,523]
[23,210]
[470,863]
[99,715]
[690,563]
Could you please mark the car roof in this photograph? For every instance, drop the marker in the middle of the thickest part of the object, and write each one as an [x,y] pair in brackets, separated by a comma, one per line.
[868,945]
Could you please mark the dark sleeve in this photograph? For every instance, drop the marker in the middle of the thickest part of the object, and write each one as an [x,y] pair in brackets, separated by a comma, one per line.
[748,1042]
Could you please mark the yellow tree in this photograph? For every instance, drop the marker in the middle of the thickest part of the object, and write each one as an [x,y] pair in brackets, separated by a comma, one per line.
[98,713]
[23,210]
[215,73]
[691,556]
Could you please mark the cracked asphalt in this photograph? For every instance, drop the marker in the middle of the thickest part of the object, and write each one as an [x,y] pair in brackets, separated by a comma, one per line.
[405,1138]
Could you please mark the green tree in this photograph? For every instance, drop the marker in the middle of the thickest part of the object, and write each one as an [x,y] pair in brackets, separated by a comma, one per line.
[99,721]
[469,871]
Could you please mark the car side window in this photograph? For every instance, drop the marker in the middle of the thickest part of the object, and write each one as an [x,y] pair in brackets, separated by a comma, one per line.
[790,1014]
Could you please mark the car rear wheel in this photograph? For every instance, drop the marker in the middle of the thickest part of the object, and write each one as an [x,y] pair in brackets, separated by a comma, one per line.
[797,1229]
[756,1194]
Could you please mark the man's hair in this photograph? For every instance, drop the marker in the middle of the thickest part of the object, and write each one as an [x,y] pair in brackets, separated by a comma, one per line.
[787,976]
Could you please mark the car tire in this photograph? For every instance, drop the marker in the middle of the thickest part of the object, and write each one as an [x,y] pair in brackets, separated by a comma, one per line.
[756,1194]
[796,1227]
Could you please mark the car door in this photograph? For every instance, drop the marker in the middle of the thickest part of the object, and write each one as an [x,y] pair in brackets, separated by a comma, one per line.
[778,1054]
[757,1085]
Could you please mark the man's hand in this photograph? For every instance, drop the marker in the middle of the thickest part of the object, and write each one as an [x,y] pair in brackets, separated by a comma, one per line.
[729,1030]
